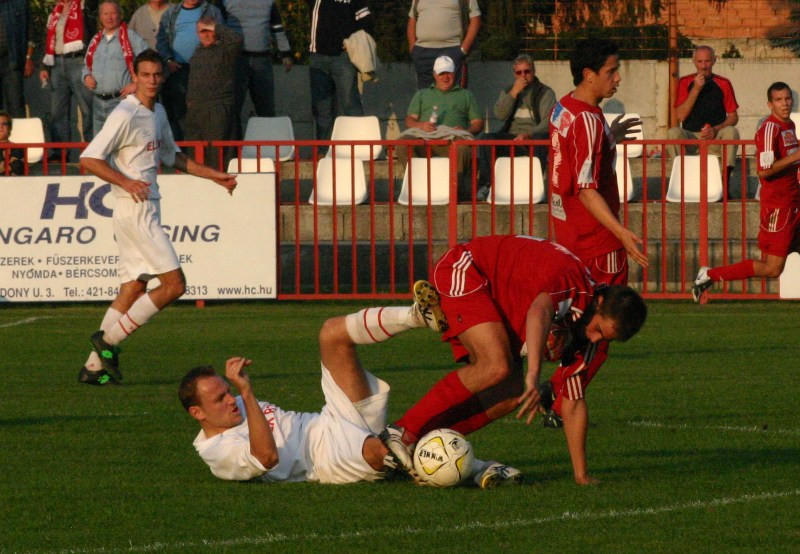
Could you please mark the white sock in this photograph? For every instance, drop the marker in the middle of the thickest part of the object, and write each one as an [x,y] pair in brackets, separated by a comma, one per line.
[111,317]
[138,314]
[478,467]
[372,325]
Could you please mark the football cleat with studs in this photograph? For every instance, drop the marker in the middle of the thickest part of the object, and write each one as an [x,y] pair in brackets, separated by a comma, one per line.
[552,420]
[97,378]
[426,310]
[109,355]
[701,285]
[399,455]
[497,475]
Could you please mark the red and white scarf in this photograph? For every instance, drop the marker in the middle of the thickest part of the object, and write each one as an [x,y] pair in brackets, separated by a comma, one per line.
[124,42]
[73,30]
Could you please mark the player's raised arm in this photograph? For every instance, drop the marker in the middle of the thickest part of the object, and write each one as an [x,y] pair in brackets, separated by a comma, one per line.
[537,326]
[188,165]
[262,443]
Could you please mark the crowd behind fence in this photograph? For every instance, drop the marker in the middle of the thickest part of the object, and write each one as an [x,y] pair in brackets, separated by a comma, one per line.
[352,223]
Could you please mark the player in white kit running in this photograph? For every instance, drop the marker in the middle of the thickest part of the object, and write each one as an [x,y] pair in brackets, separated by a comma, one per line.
[134,141]
[242,438]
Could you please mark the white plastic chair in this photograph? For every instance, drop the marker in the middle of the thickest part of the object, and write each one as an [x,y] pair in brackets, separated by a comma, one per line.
[691,181]
[29,130]
[417,174]
[269,128]
[624,178]
[634,150]
[250,165]
[789,281]
[528,183]
[351,184]
[351,128]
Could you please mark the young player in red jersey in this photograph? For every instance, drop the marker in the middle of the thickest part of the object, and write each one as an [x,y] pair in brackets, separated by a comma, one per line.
[778,159]
[501,295]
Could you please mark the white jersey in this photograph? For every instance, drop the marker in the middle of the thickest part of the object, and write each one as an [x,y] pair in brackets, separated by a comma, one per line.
[228,454]
[135,141]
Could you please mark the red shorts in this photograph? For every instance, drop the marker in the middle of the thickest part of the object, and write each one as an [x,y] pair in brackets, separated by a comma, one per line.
[465,297]
[610,268]
[778,234]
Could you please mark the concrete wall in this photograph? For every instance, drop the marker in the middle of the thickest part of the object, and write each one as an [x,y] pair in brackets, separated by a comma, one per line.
[644,90]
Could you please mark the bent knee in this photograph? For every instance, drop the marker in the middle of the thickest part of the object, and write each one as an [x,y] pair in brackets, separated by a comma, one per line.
[332,331]
[495,372]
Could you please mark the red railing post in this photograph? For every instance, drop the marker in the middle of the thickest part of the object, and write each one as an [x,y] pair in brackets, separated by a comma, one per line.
[703,213]
[452,238]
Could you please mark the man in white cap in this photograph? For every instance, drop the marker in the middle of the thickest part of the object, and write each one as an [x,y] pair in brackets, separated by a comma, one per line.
[444,111]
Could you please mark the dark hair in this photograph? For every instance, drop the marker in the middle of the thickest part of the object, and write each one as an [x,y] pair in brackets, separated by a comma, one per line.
[4,113]
[187,390]
[623,305]
[591,53]
[148,55]
[776,86]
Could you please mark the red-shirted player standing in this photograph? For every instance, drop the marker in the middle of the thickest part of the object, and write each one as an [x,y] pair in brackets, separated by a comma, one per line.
[499,293]
[778,159]
[585,199]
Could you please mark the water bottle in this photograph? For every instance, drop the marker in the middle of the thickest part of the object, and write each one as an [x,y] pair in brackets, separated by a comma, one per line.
[434,116]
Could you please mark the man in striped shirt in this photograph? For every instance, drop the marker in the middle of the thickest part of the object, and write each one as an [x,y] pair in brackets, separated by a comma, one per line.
[778,158]
[332,74]
[502,296]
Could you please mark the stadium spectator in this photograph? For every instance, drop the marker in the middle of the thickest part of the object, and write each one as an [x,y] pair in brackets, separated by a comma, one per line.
[707,109]
[443,111]
[778,158]
[108,64]
[501,297]
[334,89]
[128,152]
[210,112]
[242,438]
[259,23]
[69,28]
[437,28]
[146,19]
[524,108]
[177,40]
[10,158]
[16,51]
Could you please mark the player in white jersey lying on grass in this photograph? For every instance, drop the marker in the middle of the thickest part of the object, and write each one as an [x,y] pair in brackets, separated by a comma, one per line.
[127,152]
[243,439]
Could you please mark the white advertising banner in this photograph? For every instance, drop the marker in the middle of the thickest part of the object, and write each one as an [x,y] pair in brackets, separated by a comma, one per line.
[57,243]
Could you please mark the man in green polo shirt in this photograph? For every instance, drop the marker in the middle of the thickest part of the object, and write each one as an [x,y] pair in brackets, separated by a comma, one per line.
[444,111]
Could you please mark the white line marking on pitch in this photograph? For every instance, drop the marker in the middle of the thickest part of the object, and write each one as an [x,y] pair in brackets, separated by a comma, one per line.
[271,538]
[23,321]
[742,429]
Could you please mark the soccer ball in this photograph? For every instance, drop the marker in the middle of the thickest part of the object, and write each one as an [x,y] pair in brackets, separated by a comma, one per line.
[443,458]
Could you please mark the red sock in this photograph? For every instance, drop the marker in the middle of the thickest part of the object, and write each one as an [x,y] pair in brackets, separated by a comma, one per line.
[733,272]
[445,394]
[472,424]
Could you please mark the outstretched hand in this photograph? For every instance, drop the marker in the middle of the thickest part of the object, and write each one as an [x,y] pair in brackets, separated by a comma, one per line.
[529,403]
[624,130]
[236,374]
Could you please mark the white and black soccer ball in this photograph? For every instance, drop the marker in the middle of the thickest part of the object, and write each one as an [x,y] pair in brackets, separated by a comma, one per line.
[443,458]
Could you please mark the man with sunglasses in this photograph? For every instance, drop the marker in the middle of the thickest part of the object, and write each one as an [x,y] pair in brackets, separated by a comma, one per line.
[524,108]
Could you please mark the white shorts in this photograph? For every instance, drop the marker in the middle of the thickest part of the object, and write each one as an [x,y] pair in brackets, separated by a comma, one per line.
[336,441]
[144,248]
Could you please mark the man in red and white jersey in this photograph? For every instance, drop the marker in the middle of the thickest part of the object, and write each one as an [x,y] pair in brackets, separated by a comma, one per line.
[778,158]
[500,296]
[127,153]
[584,203]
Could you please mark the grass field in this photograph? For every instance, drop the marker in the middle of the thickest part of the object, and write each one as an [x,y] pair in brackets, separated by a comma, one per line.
[694,436]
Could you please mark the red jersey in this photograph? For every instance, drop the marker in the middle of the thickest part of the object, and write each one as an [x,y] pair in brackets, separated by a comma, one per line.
[517,269]
[584,155]
[713,104]
[776,139]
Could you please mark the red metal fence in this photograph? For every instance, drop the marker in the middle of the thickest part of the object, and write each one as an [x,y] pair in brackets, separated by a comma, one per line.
[350,225]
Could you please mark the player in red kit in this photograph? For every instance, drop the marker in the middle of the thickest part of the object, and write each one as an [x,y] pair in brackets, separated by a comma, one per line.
[778,158]
[501,295]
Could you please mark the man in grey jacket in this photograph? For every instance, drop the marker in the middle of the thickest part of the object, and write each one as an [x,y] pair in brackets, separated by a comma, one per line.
[524,108]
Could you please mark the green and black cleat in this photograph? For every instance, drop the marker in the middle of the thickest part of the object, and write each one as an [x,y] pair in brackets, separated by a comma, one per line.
[109,355]
[96,378]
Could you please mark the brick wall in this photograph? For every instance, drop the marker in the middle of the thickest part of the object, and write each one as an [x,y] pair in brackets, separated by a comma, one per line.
[753,19]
